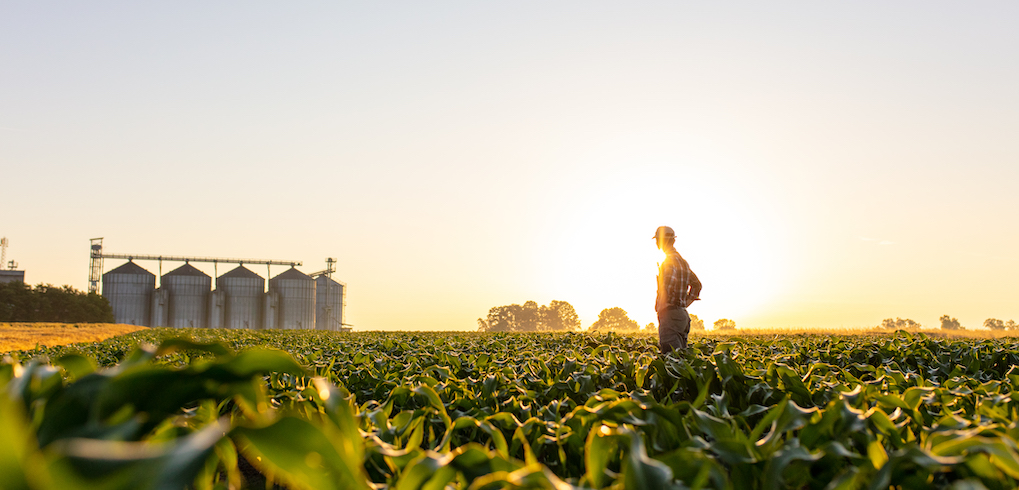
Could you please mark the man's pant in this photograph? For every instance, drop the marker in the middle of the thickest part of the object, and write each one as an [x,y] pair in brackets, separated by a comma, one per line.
[673,328]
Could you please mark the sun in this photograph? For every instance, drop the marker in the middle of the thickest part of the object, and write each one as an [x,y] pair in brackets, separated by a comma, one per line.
[602,254]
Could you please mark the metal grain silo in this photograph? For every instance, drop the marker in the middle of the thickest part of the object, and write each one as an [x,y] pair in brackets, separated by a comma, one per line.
[188,289]
[330,298]
[243,301]
[129,289]
[270,318]
[160,302]
[217,309]
[296,293]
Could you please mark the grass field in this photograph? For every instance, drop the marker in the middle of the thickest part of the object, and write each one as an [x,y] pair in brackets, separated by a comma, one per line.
[306,409]
[19,336]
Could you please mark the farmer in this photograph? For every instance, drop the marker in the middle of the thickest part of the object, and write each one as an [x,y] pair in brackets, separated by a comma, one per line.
[678,286]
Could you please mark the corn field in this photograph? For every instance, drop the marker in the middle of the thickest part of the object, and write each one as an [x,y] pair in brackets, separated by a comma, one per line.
[211,409]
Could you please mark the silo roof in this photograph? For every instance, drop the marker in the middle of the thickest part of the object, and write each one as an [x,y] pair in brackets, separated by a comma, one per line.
[186,270]
[131,268]
[241,271]
[293,273]
[327,280]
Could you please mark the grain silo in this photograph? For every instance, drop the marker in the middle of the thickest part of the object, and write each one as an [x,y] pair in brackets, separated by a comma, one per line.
[243,298]
[330,296]
[296,292]
[270,315]
[129,289]
[188,289]
[216,310]
[160,311]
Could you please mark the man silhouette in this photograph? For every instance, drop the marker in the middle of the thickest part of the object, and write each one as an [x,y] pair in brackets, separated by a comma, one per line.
[678,287]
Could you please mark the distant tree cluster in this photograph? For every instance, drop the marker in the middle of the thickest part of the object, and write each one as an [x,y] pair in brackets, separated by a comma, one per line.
[723,324]
[529,317]
[614,319]
[899,324]
[949,323]
[995,324]
[20,302]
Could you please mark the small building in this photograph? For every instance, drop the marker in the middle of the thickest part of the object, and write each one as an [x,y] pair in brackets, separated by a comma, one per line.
[11,276]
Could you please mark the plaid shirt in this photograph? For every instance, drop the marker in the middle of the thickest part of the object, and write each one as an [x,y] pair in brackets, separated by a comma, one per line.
[677,284]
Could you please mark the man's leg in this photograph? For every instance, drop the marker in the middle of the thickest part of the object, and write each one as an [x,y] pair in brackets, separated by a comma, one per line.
[673,329]
[682,319]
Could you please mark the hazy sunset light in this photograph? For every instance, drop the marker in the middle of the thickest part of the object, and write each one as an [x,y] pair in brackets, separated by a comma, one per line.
[823,165]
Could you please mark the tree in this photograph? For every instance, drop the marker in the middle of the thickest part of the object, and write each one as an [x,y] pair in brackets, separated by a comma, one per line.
[651,327]
[500,319]
[20,302]
[529,317]
[559,315]
[696,323]
[725,324]
[614,319]
[949,323]
[995,324]
[899,324]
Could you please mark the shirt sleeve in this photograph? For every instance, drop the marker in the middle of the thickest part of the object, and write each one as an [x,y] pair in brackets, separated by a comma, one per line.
[695,288]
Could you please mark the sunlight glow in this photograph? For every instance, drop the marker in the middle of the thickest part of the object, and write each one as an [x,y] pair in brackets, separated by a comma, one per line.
[606,256]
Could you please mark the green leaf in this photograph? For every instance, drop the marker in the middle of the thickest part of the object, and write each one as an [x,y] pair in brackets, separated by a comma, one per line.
[301,455]
[128,465]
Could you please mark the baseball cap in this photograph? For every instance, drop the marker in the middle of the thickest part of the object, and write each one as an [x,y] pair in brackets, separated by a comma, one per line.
[664,231]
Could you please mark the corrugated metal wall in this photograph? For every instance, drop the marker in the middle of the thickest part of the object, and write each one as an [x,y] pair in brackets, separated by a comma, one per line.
[189,290]
[328,304]
[129,289]
[296,292]
[244,298]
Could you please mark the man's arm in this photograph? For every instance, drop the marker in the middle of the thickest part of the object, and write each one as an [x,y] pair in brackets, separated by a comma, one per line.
[695,288]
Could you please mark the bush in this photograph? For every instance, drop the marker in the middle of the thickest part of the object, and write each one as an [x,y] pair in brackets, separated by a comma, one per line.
[20,302]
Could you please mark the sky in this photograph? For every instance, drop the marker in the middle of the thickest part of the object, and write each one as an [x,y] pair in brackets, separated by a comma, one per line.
[824,165]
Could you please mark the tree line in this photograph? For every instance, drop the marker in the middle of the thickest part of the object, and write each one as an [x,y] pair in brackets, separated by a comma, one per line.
[20,302]
[529,317]
[561,316]
[947,323]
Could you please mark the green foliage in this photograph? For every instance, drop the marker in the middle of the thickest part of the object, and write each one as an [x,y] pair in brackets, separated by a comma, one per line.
[899,324]
[995,324]
[949,323]
[20,302]
[556,316]
[614,319]
[229,409]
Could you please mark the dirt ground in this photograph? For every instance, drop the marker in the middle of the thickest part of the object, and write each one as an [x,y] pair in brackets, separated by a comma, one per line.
[18,336]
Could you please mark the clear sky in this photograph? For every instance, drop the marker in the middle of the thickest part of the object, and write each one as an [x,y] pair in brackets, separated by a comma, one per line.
[824,164]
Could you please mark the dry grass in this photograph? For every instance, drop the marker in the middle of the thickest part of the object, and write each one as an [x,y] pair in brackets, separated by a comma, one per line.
[18,336]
